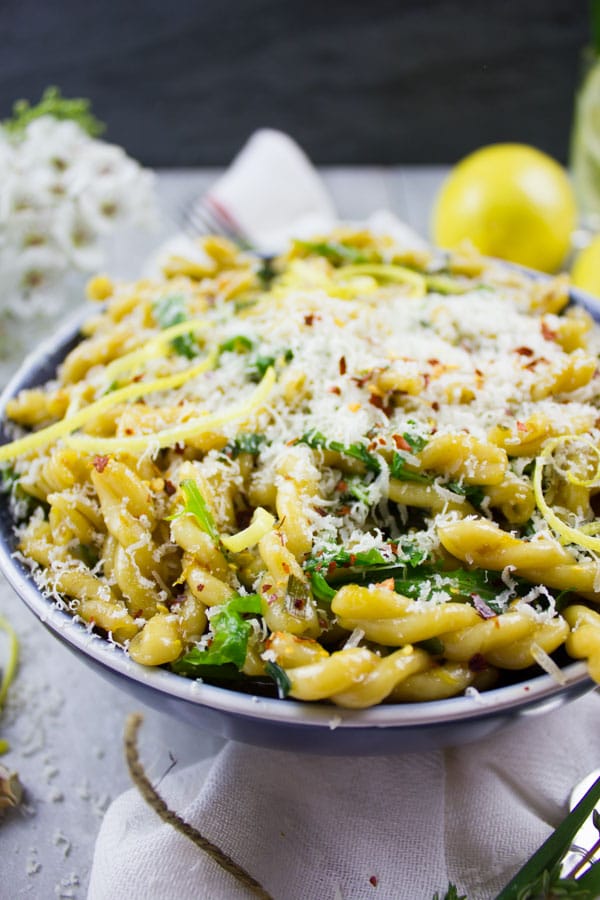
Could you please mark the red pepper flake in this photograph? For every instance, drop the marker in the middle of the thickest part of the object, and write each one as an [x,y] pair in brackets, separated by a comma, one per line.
[342,365]
[266,587]
[547,332]
[341,486]
[435,406]
[521,426]
[286,567]
[352,559]
[344,510]
[100,463]
[170,488]
[378,403]
[387,585]
[535,362]
[179,449]
[299,603]
[309,319]
[334,389]
[477,663]
[524,351]
[331,567]
[200,587]
[129,431]
[433,362]
[137,378]
[374,880]
[401,442]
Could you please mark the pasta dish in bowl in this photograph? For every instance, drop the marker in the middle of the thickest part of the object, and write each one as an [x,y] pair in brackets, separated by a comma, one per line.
[356,485]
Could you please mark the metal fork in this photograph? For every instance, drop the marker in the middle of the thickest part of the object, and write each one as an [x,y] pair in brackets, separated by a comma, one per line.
[205,215]
[587,836]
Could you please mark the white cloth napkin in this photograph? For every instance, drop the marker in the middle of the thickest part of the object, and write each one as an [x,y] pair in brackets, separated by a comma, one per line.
[321,828]
[326,828]
[271,192]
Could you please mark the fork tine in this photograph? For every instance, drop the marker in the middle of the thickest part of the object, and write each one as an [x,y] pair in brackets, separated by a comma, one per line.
[204,217]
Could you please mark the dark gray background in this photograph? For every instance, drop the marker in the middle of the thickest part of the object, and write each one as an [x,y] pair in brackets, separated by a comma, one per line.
[184,83]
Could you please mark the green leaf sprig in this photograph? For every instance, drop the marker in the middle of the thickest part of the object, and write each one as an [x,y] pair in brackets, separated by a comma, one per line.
[317,441]
[169,311]
[229,641]
[52,103]
[195,505]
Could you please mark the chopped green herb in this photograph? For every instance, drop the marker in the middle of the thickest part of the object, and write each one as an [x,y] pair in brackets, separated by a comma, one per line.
[258,365]
[229,644]
[26,503]
[335,251]
[398,470]
[340,561]
[474,493]
[320,588]
[459,584]
[316,440]
[169,311]
[358,489]
[245,443]
[10,477]
[267,272]
[238,344]
[434,646]
[415,441]
[88,555]
[298,591]
[280,678]
[195,505]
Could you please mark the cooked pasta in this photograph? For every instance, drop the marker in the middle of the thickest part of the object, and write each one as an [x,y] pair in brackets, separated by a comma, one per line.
[358,474]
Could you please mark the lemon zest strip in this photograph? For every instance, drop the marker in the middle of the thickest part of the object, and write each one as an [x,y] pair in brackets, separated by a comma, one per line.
[9,670]
[390,272]
[261,524]
[568,534]
[153,347]
[76,420]
[176,434]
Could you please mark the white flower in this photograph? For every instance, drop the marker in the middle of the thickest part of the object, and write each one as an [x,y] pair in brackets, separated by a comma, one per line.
[30,280]
[61,192]
[50,142]
[76,235]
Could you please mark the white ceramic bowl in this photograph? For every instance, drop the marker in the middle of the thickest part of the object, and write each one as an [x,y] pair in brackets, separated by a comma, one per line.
[285,724]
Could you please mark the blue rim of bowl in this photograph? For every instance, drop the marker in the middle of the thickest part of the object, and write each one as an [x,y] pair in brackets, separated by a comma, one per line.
[506,699]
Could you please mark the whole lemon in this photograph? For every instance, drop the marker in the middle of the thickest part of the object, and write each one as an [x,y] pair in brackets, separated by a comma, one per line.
[511,201]
[585,273]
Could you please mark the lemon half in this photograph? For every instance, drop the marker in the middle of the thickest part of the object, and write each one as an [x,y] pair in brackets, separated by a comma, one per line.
[512,201]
